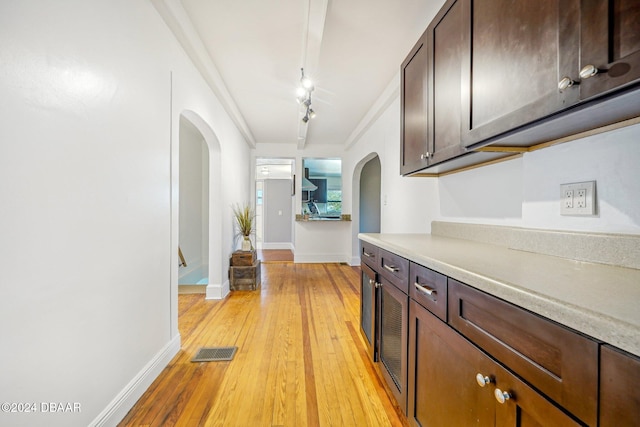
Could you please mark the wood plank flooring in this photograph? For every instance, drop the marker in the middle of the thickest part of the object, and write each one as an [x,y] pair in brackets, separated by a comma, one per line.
[275,255]
[301,360]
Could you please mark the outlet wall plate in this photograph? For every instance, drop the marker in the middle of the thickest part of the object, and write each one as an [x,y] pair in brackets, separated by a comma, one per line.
[578,198]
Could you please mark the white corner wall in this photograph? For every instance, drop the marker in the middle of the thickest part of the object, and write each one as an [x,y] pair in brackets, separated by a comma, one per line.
[90,95]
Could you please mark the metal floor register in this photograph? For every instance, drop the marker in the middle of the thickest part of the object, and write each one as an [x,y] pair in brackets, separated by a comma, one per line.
[215,354]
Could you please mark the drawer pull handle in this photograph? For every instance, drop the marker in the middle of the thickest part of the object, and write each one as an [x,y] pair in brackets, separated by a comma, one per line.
[501,396]
[426,290]
[367,254]
[391,268]
[483,380]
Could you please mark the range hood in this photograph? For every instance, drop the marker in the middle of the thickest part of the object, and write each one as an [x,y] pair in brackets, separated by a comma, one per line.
[308,185]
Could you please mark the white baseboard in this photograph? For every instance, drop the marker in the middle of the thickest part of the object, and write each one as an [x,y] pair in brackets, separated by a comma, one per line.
[124,401]
[355,261]
[319,258]
[218,291]
[280,245]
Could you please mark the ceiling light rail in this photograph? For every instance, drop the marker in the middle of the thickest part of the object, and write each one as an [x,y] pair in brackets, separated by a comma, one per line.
[304,96]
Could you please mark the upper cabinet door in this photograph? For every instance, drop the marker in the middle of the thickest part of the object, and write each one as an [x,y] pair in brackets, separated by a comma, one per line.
[444,37]
[515,55]
[414,153]
[610,45]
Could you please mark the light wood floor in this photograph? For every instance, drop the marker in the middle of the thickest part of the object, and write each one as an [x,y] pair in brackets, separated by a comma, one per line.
[275,255]
[301,360]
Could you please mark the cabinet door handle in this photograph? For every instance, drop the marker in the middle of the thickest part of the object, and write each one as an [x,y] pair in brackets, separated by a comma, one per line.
[426,290]
[483,380]
[391,268]
[425,156]
[501,396]
[566,82]
[367,254]
[378,285]
[589,71]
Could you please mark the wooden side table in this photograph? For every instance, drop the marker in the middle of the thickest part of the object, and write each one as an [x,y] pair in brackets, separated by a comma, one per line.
[244,271]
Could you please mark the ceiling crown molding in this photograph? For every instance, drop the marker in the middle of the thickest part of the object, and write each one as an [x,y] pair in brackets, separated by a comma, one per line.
[180,24]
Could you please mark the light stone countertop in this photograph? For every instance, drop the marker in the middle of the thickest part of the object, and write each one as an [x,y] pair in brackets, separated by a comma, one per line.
[599,300]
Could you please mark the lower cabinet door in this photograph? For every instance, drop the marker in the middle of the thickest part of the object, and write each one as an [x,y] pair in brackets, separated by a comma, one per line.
[368,304]
[442,371]
[453,383]
[619,393]
[517,404]
[392,351]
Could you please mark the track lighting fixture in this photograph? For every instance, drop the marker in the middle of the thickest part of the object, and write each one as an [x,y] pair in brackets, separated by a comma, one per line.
[304,96]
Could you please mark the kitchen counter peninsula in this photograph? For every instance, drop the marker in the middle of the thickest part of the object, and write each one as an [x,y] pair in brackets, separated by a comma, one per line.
[598,300]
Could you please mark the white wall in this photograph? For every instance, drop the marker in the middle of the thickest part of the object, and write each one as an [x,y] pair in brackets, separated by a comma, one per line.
[88,217]
[526,192]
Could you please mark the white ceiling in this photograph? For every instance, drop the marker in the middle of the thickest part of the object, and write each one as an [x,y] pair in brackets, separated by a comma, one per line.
[251,52]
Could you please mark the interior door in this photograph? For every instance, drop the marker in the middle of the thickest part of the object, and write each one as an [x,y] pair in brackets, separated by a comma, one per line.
[278,218]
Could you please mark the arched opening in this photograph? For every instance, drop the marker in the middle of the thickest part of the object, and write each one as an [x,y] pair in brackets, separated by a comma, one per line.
[193,127]
[193,213]
[370,183]
[366,208]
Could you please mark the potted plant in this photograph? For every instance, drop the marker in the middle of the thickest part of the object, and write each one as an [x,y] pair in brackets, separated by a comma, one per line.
[244,216]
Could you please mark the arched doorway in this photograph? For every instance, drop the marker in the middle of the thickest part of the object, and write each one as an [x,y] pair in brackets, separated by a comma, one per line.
[192,125]
[193,231]
[366,208]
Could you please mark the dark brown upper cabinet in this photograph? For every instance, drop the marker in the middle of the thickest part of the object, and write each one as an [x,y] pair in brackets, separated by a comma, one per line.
[610,46]
[489,79]
[444,41]
[516,54]
[414,153]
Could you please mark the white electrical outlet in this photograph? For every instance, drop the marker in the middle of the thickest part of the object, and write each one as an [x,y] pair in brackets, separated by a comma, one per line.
[578,198]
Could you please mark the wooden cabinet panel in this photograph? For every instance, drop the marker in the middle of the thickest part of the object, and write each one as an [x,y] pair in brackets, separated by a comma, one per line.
[515,54]
[395,268]
[413,99]
[429,289]
[392,350]
[444,391]
[619,392]
[525,407]
[611,43]
[444,38]
[369,254]
[442,371]
[557,361]
[368,308]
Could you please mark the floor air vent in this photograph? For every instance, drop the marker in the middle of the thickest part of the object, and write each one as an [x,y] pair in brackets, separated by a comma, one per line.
[214,354]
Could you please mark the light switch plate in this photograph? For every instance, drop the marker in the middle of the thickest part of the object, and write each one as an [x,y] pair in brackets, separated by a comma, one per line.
[578,198]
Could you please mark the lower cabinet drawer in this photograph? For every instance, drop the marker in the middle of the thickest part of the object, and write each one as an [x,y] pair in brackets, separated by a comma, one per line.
[429,289]
[369,254]
[557,361]
[395,268]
